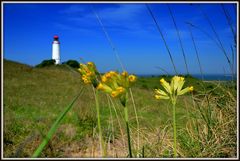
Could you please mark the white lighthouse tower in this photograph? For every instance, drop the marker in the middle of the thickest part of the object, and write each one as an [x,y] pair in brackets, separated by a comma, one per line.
[56,50]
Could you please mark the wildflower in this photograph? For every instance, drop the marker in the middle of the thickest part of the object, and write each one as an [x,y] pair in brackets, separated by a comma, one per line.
[132,78]
[120,89]
[108,75]
[160,94]
[91,64]
[116,84]
[114,94]
[104,79]
[104,88]
[157,97]
[166,85]
[125,74]
[191,89]
[89,73]
[172,90]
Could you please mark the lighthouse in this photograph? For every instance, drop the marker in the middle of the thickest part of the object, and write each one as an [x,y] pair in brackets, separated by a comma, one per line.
[56,50]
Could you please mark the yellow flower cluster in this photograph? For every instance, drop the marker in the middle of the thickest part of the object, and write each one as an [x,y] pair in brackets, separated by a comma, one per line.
[116,84]
[172,90]
[88,72]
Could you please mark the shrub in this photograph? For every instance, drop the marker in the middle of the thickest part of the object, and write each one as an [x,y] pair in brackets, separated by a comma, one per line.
[45,63]
[72,63]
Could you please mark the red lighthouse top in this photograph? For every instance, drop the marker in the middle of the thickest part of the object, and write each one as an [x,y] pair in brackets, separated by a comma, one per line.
[56,39]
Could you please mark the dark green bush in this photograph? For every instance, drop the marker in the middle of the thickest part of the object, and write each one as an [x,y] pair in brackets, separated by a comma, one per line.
[72,63]
[45,63]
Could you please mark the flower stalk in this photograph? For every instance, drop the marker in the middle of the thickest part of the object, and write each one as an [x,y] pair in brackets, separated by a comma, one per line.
[90,75]
[102,145]
[117,86]
[128,130]
[174,130]
[172,91]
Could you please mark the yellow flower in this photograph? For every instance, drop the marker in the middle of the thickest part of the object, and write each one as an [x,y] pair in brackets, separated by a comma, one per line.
[100,86]
[108,75]
[86,81]
[116,84]
[112,73]
[160,94]
[172,90]
[120,89]
[177,83]
[132,78]
[90,64]
[166,85]
[104,88]
[89,73]
[191,89]
[161,97]
[114,94]
[104,79]
[125,74]
[157,97]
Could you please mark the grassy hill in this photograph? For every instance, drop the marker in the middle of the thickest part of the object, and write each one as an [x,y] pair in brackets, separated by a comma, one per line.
[33,98]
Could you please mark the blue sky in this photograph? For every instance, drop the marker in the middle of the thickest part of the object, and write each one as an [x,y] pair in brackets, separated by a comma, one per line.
[29,31]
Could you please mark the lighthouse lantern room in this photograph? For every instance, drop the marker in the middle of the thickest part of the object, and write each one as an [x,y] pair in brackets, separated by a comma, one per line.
[56,50]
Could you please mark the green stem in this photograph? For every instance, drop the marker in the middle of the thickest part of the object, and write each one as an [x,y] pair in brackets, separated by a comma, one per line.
[116,113]
[128,131]
[138,129]
[174,130]
[103,151]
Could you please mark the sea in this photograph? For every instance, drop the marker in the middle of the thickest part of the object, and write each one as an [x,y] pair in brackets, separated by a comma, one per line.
[219,77]
[206,77]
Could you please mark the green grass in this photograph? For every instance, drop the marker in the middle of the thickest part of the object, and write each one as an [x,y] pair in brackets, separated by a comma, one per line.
[34,97]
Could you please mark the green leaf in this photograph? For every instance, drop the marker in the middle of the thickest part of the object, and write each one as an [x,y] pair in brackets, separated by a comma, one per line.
[55,126]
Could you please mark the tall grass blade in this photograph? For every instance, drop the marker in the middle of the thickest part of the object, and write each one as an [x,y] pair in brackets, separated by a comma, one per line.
[179,38]
[194,44]
[205,32]
[165,43]
[217,37]
[108,38]
[166,72]
[101,140]
[233,62]
[229,20]
[54,127]
[118,120]
[112,127]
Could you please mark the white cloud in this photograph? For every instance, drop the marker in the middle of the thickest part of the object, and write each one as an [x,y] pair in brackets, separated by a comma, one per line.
[124,18]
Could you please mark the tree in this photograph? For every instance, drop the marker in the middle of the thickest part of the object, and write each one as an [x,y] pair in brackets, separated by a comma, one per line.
[72,63]
[45,63]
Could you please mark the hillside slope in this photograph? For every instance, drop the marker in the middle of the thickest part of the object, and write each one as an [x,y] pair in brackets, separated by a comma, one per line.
[33,97]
